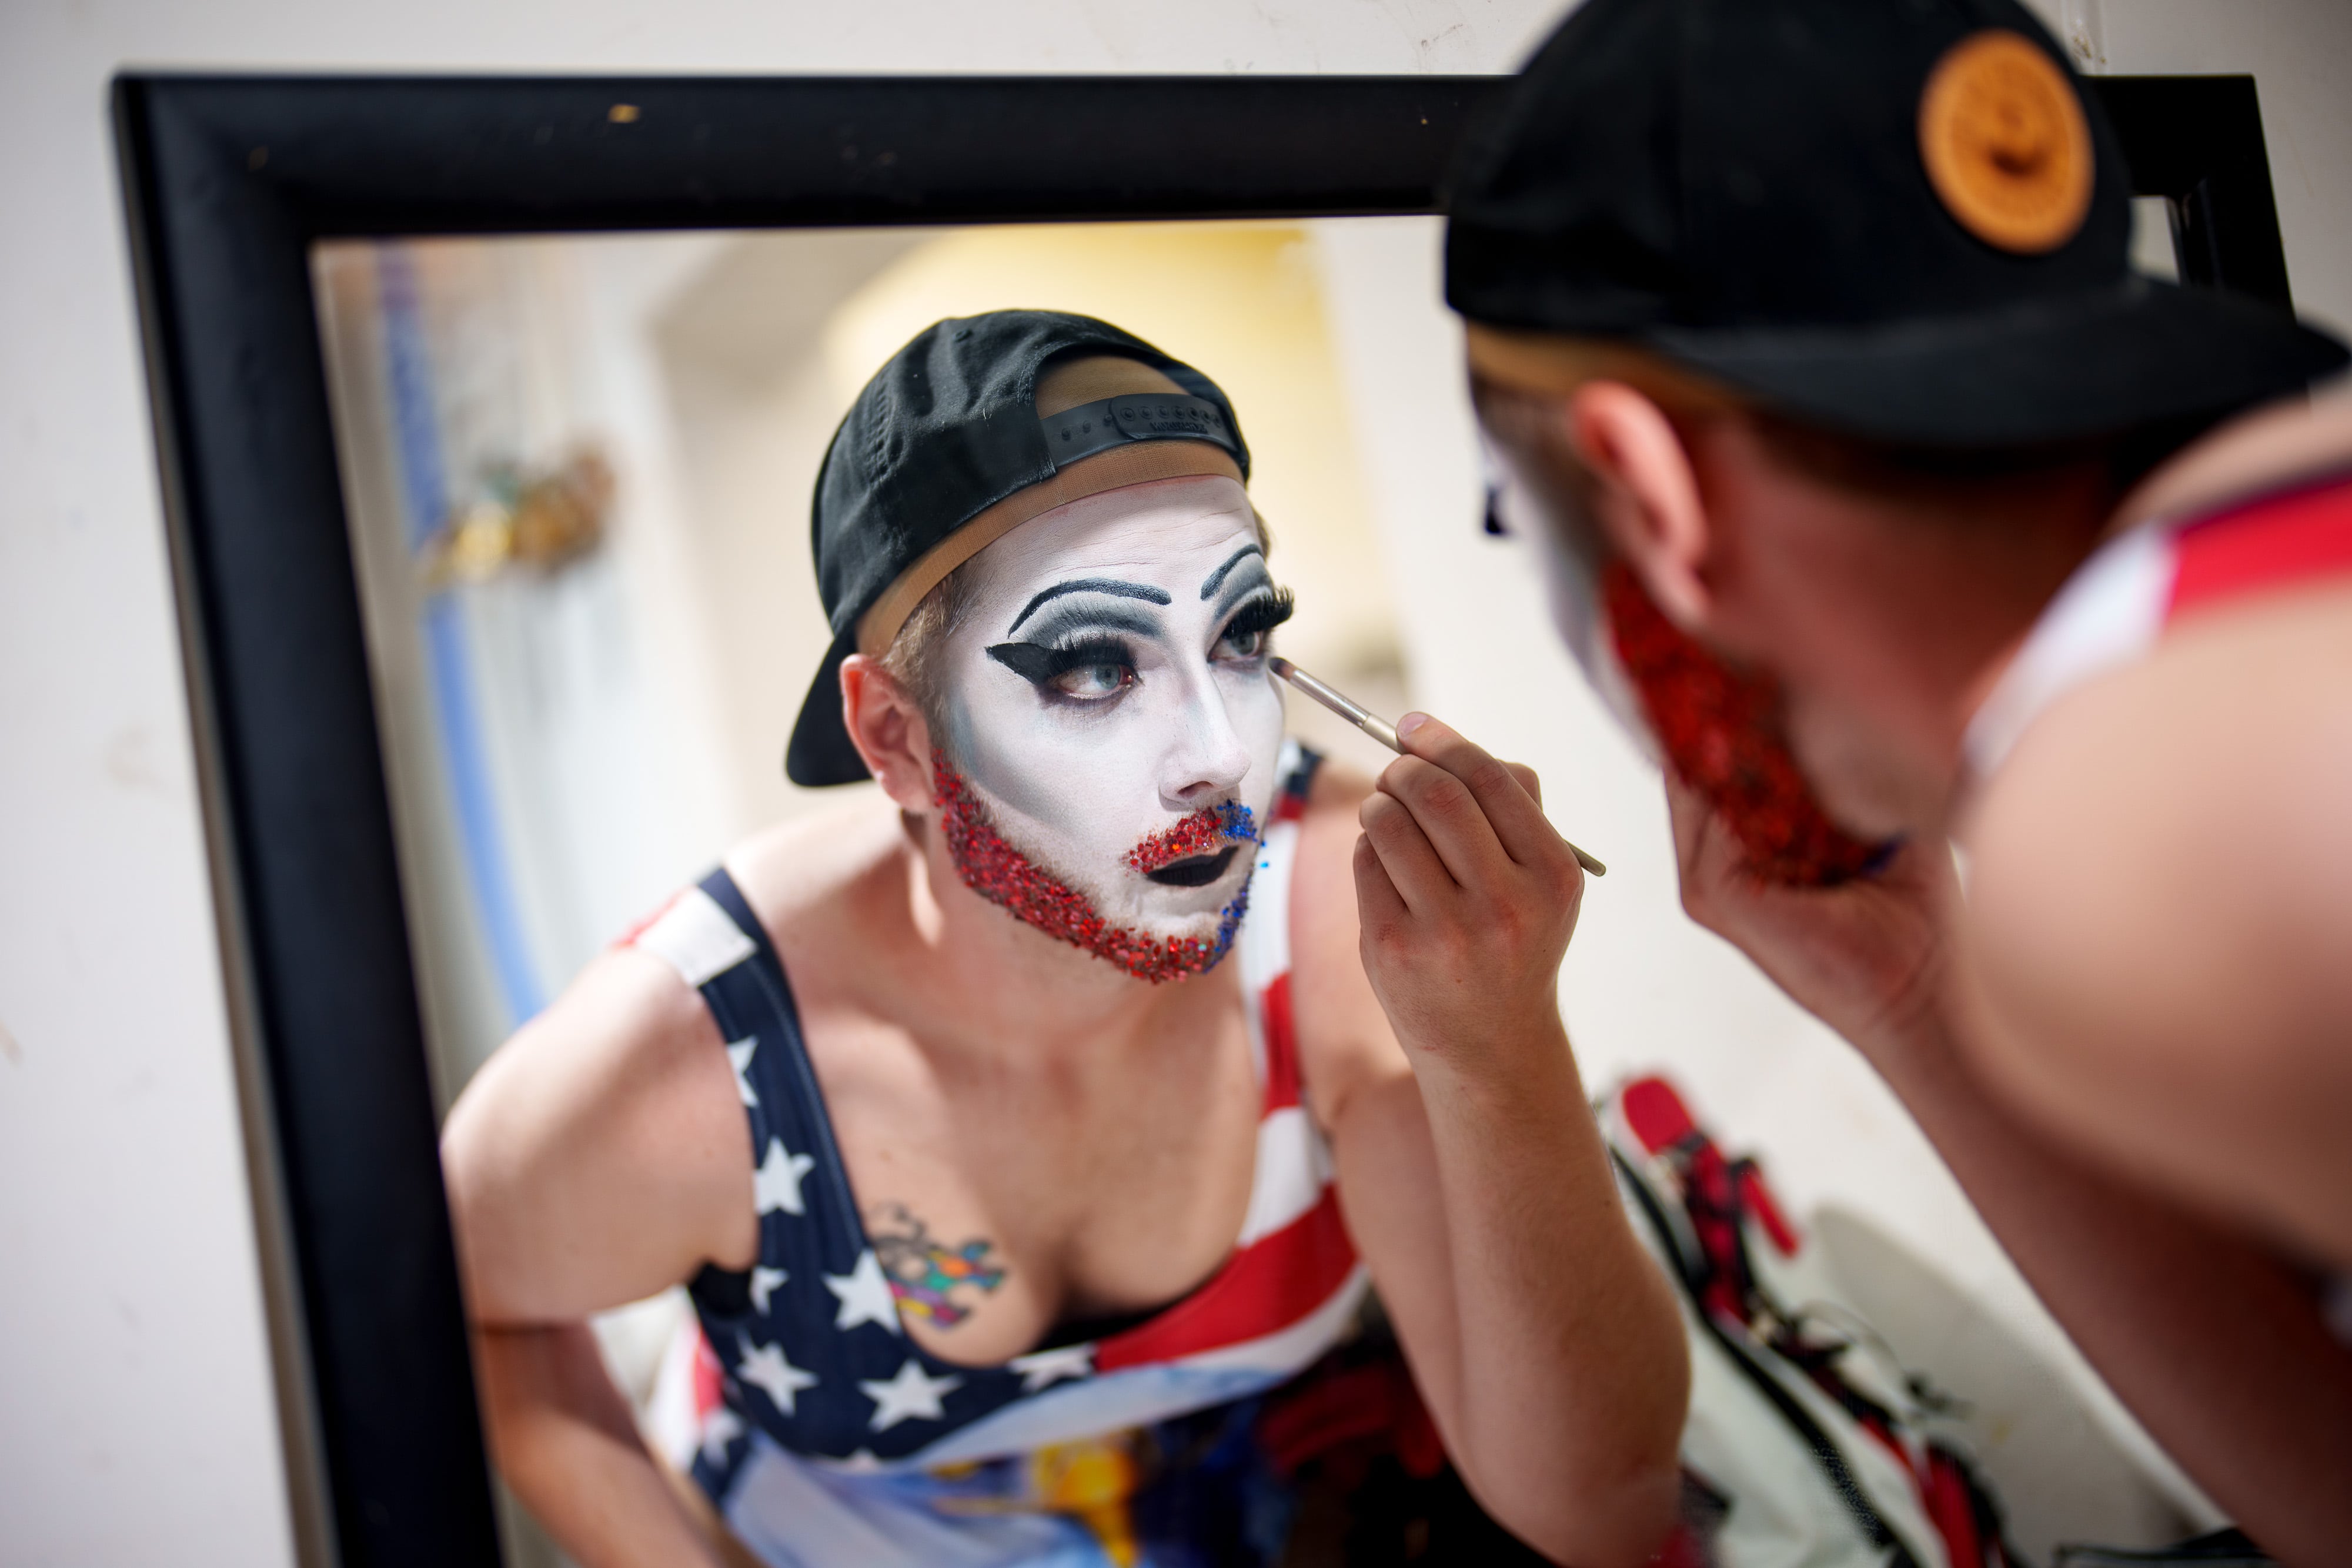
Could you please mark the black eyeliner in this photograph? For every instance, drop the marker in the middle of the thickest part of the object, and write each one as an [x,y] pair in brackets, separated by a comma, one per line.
[1042,664]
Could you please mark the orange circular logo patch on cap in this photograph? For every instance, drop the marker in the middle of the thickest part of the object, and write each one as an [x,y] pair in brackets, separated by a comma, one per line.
[2005,142]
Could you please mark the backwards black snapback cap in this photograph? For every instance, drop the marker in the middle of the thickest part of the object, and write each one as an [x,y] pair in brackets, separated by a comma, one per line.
[977,425]
[1900,219]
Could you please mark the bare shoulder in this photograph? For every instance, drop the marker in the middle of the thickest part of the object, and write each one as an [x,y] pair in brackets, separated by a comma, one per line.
[601,1154]
[830,879]
[1344,1038]
[2165,857]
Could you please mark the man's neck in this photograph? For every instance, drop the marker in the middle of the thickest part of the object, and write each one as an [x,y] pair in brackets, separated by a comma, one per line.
[1004,989]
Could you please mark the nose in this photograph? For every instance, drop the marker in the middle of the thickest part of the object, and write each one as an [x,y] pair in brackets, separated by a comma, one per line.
[1208,759]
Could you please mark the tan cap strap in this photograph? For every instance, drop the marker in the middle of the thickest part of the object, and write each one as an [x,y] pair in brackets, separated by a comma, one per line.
[1140,464]
[1553,362]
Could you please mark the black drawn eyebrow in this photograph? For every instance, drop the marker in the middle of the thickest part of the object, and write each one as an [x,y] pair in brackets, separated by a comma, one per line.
[1232,561]
[1254,580]
[1109,585]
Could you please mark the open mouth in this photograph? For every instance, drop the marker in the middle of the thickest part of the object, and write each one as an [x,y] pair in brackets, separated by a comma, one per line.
[1195,871]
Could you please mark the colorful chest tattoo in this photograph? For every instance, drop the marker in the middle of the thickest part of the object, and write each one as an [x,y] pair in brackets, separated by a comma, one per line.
[923,1270]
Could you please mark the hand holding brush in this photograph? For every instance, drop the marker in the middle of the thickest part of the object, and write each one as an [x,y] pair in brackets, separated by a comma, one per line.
[1380,729]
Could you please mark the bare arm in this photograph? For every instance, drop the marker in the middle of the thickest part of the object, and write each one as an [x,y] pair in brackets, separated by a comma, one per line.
[1473,1175]
[2160,919]
[2216,1345]
[599,1157]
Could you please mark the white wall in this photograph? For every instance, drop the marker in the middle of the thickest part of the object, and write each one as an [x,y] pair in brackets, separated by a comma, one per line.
[136,1417]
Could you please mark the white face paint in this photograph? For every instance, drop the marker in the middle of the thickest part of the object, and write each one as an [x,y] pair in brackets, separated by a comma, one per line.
[1107,704]
[1572,588]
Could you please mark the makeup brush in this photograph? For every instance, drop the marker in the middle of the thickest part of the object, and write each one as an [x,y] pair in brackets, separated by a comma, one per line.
[1379,728]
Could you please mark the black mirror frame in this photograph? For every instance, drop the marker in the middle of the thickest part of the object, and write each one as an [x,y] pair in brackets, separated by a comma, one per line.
[228,182]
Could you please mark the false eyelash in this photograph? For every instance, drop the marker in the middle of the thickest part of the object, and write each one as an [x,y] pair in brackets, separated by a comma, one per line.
[1263,613]
[1039,664]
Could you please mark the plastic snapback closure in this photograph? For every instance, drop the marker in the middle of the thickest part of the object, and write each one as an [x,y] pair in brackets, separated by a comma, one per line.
[1099,426]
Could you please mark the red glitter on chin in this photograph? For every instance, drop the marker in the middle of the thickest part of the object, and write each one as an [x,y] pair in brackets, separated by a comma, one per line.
[1720,734]
[1004,875]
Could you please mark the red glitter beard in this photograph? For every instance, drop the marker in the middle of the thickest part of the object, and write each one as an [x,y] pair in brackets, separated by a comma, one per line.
[1004,875]
[1720,734]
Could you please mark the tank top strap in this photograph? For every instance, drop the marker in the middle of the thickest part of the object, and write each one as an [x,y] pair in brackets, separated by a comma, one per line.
[814,1313]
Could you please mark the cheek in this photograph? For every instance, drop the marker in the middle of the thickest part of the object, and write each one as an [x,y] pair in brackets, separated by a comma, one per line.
[1066,772]
[1254,708]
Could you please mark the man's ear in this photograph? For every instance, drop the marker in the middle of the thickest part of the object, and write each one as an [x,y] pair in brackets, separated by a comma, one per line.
[890,731]
[1645,493]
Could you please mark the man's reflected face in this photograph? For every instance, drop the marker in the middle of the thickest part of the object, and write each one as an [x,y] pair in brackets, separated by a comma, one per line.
[1111,730]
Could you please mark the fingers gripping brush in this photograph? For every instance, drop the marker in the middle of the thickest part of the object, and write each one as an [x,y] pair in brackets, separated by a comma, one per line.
[1379,728]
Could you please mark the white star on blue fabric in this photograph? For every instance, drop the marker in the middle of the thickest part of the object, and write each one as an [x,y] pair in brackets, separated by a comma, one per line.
[764,1280]
[861,1463]
[765,1368]
[719,1429]
[913,1394]
[864,1295]
[1042,1368]
[739,1056]
[777,1182]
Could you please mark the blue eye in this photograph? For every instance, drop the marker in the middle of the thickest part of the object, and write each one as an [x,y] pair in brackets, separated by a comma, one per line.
[1090,682]
[1088,671]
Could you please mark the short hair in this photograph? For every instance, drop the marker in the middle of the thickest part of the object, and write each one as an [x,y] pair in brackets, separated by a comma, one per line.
[914,658]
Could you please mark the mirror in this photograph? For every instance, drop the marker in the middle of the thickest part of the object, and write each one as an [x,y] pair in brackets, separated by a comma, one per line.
[551,608]
[578,474]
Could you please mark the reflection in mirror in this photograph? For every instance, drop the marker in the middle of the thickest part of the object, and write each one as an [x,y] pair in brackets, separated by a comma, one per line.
[579,474]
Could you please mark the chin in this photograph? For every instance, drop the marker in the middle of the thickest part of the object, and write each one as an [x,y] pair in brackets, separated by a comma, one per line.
[1197,918]
[1866,790]
[1149,909]
[1121,917]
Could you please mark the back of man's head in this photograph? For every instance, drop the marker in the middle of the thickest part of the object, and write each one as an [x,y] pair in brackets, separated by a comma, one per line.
[1904,225]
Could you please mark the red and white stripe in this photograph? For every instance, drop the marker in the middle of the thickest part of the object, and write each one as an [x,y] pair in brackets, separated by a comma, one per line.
[2113,609]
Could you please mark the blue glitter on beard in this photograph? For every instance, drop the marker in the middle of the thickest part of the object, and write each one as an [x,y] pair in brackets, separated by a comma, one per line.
[1237,821]
[1229,925]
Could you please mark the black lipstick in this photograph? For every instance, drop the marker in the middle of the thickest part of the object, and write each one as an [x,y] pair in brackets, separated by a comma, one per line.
[1195,871]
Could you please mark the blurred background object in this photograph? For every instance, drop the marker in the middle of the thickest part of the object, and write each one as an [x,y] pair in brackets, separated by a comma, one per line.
[540,522]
